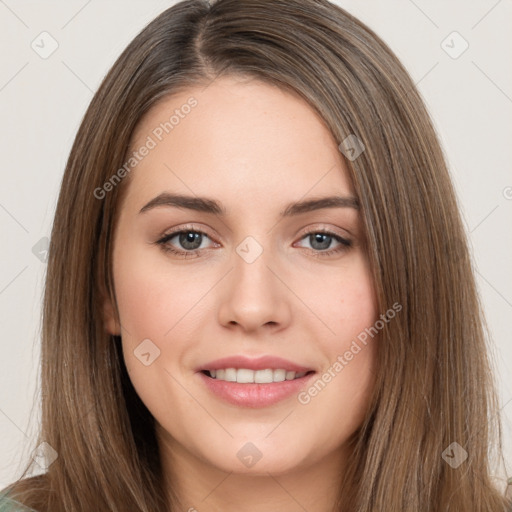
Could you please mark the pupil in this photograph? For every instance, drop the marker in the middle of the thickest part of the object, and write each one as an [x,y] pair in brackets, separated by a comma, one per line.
[323,238]
[189,240]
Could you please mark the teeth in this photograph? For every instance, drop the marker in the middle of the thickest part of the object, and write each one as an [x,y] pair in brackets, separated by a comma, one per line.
[230,374]
[245,376]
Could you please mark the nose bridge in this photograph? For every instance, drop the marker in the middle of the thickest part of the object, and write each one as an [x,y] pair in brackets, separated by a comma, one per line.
[251,273]
[254,296]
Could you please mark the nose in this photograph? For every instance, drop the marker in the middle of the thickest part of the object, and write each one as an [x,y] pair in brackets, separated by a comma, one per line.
[254,294]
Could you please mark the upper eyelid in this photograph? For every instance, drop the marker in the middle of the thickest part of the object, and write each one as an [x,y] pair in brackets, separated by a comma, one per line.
[186,228]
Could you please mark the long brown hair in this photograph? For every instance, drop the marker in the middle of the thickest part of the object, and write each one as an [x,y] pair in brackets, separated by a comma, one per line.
[433,385]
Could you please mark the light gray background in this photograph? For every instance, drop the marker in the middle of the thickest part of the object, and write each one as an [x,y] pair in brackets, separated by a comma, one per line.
[43,100]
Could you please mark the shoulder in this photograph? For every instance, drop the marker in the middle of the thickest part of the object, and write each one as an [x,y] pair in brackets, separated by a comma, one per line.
[31,490]
[9,505]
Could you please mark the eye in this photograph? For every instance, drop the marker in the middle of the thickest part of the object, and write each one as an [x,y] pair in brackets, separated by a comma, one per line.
[321,240]
[190,241]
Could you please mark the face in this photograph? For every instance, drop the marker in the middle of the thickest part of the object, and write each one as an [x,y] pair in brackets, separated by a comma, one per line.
[243,274]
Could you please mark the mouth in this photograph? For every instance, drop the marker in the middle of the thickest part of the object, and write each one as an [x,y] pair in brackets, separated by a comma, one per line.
[251,382]
[254,389]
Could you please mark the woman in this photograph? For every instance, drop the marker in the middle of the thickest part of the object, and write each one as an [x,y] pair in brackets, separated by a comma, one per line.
[197,355]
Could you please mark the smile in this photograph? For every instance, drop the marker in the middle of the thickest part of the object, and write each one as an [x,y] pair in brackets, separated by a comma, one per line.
[252,394]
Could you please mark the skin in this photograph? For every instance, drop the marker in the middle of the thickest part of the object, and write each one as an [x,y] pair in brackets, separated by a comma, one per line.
[254,148]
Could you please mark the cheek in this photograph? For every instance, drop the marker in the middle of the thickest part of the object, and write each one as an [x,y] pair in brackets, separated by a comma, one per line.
[151,299]
[357,340]
[158,304]
[341,392]
[335,403]
[150,309]
[343,300]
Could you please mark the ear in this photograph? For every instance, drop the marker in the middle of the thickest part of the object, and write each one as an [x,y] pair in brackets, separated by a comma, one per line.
[110,317]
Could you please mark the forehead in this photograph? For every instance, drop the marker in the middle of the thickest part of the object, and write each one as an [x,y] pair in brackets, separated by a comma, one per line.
[237,135]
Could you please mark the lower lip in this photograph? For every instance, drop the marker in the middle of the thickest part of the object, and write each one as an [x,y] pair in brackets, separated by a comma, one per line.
[254,395]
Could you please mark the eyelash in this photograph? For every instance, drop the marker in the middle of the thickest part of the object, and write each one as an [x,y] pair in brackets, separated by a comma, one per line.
[166,247]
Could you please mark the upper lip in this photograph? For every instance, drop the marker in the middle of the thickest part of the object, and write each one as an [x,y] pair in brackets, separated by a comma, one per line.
[258,363]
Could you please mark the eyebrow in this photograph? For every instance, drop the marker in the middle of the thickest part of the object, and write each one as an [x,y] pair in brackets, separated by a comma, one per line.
[207,205]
